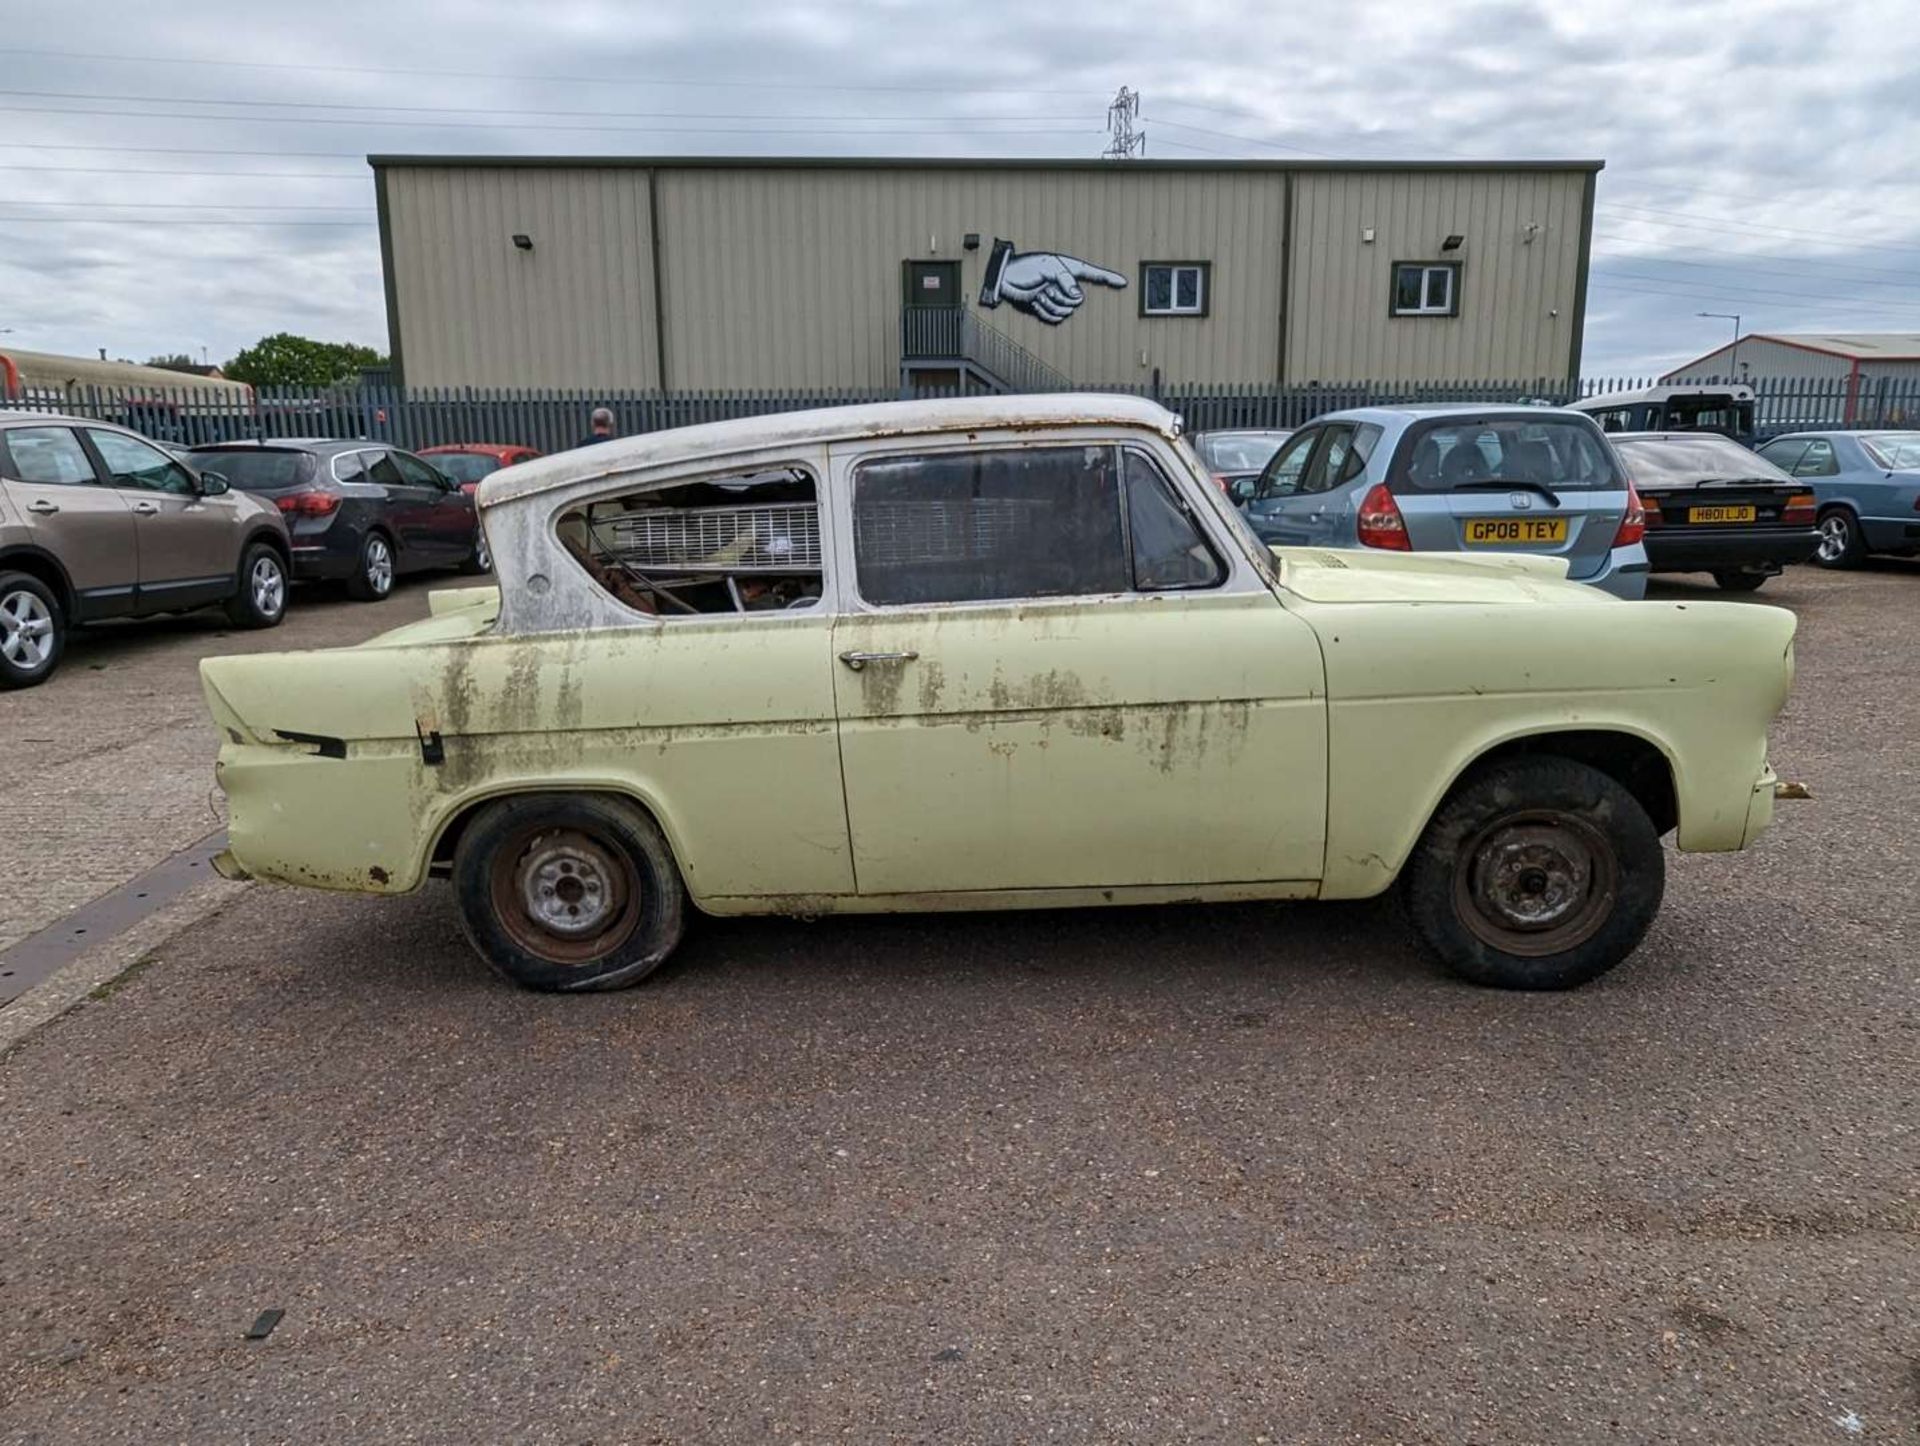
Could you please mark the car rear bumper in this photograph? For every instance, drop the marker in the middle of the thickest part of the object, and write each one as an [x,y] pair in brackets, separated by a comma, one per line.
[329,561]
[1624,574]
[1700,550]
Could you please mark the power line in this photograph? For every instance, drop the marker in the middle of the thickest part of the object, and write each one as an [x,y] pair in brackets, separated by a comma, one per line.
[1800,273]
[519,126]
[497,111]
[174,221]
[1606,282]
[1736,290]
[183,205]
[1693,222]
[190,151]
[360,180]
[759,84]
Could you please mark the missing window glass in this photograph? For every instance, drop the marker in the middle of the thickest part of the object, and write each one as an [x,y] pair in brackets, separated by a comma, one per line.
[744,543]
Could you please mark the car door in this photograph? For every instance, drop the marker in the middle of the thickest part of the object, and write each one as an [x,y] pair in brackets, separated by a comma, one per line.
[1052,672]
[1857,472]
[1278,512]
[1334,481]
[447,519]
[55,490]
[189,545]
[405,507]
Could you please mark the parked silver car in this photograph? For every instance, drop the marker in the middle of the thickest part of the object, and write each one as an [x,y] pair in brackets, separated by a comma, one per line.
[1457,479]
[98,522]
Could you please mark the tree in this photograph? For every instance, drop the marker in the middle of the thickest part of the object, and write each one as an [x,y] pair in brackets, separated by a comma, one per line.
[286,360]
[176,362]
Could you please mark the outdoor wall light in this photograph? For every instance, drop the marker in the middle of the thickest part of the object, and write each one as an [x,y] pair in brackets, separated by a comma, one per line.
[522,241]
[1453,242]
[971,241]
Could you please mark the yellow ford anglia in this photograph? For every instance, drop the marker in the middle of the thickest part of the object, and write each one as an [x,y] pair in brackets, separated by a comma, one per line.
[991,653]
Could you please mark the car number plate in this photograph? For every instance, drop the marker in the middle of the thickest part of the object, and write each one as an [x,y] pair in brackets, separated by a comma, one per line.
[1721,514]
[1515,531]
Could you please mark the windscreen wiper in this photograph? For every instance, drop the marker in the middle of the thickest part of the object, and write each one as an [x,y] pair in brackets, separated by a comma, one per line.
[1504,484]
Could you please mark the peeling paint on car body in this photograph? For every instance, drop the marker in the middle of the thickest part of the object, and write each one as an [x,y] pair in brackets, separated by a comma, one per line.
[1284,735]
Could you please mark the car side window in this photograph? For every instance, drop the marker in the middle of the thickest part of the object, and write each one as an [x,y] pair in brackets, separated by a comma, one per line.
[350,467]
[990,524]
[48,455]
[133,463]
[380,468]
[1784,455]
[1817,462]
[417,472]
[1169,549]
[1282,477]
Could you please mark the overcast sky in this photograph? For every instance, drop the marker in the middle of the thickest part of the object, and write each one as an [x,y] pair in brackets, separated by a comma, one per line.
[1760,156]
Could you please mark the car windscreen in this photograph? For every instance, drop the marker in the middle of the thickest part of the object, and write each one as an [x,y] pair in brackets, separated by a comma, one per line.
[465,466]
[255,469]
[1656,462]
[1240,451]
[1896,451]
[1558,452]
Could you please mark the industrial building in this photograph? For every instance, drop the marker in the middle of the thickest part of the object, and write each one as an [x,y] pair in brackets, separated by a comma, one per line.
[741,273]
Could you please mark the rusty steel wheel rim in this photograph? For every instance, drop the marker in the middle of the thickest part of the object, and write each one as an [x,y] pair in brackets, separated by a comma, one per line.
[566,896]
[1537,883]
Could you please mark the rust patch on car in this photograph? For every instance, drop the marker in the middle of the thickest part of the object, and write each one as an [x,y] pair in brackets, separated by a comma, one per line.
[378,875]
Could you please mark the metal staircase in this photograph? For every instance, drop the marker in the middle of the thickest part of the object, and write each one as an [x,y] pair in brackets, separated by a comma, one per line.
[949,348]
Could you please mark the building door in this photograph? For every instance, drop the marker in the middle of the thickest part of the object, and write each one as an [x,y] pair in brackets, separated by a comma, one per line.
[932,283]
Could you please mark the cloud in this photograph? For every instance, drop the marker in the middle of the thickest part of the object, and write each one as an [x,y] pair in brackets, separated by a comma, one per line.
[1757,152]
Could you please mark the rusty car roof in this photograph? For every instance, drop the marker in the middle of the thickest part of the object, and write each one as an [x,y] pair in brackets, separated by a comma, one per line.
[825,424]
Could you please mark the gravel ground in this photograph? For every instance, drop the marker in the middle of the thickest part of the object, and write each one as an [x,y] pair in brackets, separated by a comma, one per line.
[1229,1174]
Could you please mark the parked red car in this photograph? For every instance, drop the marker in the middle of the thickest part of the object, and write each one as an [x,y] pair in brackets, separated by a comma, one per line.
[468,462]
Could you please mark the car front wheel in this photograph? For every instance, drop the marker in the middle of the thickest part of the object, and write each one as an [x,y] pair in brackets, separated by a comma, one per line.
[1536,873]
[32,631]
[567,892]
[1840,542]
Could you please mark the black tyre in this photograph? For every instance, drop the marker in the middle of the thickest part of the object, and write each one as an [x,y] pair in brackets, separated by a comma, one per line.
[260,599]
[480,561]
[1536,873]
[1841,544]
[372,577]
[564,892]
[1740,581]
[33,630]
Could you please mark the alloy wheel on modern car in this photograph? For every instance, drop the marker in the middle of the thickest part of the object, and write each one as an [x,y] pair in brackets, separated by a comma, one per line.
[268,585]
[27,631]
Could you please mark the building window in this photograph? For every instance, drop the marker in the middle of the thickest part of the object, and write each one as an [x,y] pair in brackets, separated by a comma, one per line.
[1426,288]
[1175,288]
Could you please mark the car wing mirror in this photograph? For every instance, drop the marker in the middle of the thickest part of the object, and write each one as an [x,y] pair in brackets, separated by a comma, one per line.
[214,484]
[1243,489]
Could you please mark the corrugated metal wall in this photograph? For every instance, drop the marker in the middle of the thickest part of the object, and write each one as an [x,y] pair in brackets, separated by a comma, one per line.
[474,310]
[1758,357]
[1517,297]
[792,277]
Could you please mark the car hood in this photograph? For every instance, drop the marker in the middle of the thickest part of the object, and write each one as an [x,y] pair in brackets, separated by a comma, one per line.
[1331,575]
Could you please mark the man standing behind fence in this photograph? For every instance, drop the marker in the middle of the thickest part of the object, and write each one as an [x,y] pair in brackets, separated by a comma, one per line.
[602,424]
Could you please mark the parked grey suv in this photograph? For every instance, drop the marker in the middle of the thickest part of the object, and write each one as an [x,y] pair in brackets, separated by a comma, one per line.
[97,522]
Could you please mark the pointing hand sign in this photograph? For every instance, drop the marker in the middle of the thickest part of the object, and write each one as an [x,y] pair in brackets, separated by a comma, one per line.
[1045,284]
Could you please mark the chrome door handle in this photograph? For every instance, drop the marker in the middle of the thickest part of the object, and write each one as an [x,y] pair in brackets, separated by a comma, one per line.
[43,508]
[857,661]
[145,509]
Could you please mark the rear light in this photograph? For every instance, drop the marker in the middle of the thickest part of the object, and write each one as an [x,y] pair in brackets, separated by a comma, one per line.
[1799,510]
[1220,480]
[1652,515]
[1633,526]
[308,504]
[1381,524]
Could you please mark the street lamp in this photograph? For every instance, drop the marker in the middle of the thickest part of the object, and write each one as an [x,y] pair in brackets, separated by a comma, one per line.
[1733,359]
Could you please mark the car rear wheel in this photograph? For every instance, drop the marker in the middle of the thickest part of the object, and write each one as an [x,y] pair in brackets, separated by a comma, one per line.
[567,892]
[32,631]
[1840,542]
[1740,581]
[260,600]
[1536,873]
[372,579]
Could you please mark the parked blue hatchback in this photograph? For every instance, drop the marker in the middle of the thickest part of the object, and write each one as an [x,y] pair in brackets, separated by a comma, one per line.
[1457,479]
[1866,489]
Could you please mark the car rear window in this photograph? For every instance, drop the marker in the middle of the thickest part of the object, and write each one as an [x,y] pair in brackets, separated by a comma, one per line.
[465,466]
[1558,452]
[1656,462]
[255,469]
[1898,451]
